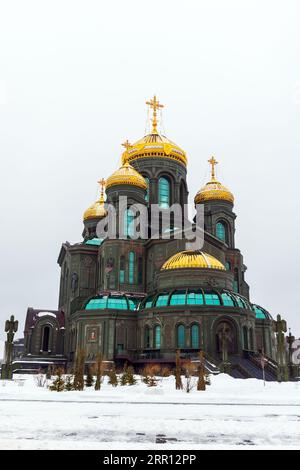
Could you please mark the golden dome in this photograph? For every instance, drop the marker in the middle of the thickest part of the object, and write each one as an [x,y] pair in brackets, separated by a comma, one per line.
[213,190]
[154,144]
[192,259]
[97,210]
[126,174]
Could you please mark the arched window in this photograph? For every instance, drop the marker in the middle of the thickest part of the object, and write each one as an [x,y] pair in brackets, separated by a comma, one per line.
[163,193]
[195,336]
[122,269]
[46,338]
[128,223]
[148,189]
[131,267]
[221,231]
[147,337]
[157,337]
[180,336]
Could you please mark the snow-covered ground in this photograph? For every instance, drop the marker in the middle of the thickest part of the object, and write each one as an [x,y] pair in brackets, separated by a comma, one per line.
[230,413]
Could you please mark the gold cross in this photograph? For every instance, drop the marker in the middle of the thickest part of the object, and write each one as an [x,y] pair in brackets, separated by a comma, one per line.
[213,163]
[155,105]
[102,183]
[127,145]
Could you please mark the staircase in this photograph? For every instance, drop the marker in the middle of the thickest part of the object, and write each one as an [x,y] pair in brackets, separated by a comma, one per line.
[250,367]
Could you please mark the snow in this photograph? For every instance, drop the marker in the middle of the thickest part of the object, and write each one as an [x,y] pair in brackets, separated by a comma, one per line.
[46,314]
[231,413]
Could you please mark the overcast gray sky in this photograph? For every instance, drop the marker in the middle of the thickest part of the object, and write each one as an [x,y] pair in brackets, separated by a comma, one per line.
[74,76]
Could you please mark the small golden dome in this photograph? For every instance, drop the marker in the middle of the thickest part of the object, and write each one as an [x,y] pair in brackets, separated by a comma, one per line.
[97,210]
[126,174]
[154,144]
[213,190]
[192,259]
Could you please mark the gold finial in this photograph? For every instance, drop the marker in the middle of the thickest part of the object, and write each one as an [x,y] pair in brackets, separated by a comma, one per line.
[102,183]
[213,163]
[155,105]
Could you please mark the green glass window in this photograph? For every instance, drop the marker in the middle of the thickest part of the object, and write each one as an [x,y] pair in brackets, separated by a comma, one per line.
[162,300]
[148,303]
[195,336]
[122,269]
[163,193]
[95,304]
[221,231]
[240,302]
[94,241]
[147,338]
[212,299]
[128,223]
[131,267]
[133,304]
[180,336]
[236,280]
[259,313]
[178,298]
[195,298]
[227,300]
[120,303]
[147,190]
[157,337]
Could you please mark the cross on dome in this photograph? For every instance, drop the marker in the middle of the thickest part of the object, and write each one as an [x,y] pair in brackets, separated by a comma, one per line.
[102,183]
[213,162]
[155,105]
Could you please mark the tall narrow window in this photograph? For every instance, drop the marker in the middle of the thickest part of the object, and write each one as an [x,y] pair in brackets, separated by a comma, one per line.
[122,270]
[221,231]
[180,336]
[195,336]
[163,193]
[236,280]
[228,266]
[147,337]
[148,189]
[46,338]
[157,337]
[140,270]
[128,223]
[251,339]
[131,267]
[245,337]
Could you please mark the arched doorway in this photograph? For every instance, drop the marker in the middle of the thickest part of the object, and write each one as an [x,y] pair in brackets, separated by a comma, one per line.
[245,338]
[46,339]
[226,343]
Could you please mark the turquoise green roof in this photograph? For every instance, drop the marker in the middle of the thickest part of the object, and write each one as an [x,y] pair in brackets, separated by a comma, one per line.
[94,241]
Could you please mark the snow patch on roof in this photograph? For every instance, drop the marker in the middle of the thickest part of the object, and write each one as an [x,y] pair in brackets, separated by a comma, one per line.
[46,314]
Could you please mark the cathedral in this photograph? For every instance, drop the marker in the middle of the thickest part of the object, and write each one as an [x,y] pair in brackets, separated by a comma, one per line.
[139,299]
